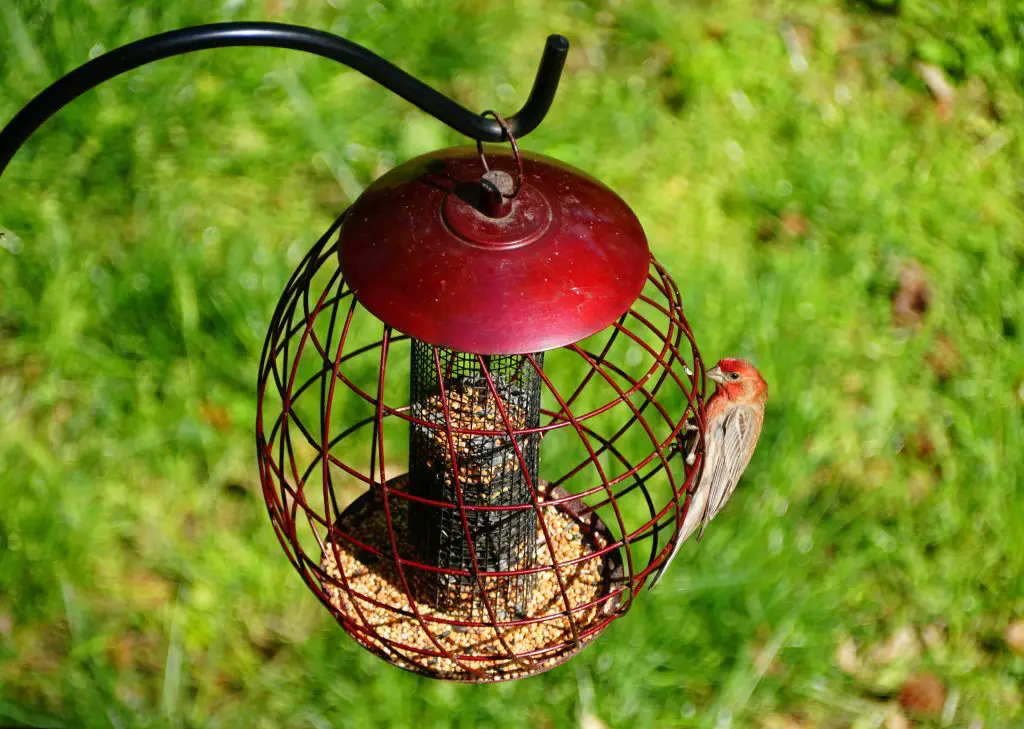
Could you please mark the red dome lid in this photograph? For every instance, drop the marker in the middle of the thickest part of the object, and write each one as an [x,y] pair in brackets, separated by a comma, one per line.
[566,261]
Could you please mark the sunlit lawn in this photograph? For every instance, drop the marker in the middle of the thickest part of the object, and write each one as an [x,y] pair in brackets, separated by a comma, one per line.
[791,168]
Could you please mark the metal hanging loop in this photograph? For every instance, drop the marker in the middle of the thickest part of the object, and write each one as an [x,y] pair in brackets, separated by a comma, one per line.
[518,180]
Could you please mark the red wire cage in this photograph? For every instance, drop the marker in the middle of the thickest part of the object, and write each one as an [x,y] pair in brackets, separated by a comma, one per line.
[474,515]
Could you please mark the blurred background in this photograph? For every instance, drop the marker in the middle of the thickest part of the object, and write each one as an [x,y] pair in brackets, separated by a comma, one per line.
[835,185]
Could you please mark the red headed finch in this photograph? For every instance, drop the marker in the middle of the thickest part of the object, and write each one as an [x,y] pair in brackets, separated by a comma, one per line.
[734,415]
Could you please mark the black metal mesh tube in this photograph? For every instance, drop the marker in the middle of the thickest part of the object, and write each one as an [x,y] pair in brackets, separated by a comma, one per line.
[490,474]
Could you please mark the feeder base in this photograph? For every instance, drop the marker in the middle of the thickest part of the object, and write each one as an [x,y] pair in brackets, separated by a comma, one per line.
[443,643]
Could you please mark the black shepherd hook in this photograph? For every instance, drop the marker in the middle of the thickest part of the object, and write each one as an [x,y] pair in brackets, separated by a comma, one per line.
[278,35]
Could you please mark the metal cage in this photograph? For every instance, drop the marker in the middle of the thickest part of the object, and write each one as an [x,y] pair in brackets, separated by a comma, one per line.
[471,517]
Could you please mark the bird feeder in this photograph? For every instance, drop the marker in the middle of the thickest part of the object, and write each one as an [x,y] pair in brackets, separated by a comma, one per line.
[474,391]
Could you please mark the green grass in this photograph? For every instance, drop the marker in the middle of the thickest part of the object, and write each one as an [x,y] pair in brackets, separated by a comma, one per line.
[150,227]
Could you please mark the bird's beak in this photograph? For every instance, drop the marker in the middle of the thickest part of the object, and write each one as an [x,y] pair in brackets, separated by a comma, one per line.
[716,374]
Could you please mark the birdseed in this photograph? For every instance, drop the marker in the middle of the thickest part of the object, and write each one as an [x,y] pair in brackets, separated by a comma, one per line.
[467,652]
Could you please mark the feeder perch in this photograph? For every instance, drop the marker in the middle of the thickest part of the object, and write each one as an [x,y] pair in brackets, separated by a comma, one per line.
[474,392]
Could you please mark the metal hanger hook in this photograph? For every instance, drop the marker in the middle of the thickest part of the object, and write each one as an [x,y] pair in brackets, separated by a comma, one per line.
[277,35]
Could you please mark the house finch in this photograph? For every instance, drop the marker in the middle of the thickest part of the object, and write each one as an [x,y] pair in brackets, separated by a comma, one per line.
[734,415]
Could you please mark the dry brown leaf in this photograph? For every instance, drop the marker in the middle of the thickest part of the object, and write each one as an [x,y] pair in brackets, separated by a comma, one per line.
[902,645]
[1015,637]
[32,369]
[944,358]
[122,651]
[915,113]
[934,636]
[768,658]
[847,658]
[148,590]
[913,297]
[135,649]
[804,35]
[589,720]
[795,225]
[796,40]
[941,90]
[715,31]
[920,443]
[765,230]
[216,415]
[923,694]
[896,720]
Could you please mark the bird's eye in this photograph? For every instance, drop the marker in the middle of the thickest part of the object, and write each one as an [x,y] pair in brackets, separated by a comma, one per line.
[734,375]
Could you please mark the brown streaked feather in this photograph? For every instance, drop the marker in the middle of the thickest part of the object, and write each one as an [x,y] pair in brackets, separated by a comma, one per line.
[729,452]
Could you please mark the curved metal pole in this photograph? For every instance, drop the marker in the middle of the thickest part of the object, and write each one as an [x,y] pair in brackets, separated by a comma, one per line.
[296,37]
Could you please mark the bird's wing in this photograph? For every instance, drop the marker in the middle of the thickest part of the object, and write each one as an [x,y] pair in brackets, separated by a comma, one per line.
[729,451]
[729,446]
